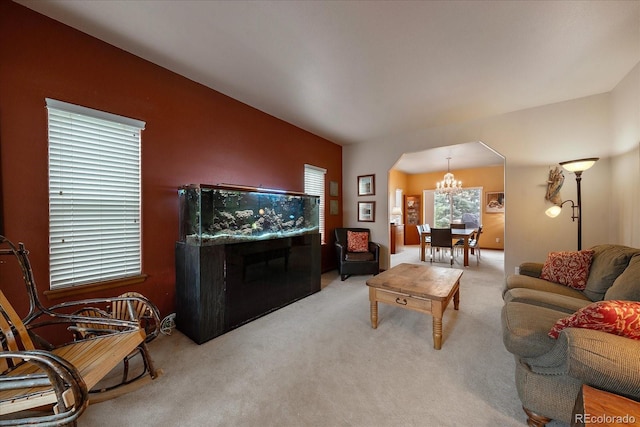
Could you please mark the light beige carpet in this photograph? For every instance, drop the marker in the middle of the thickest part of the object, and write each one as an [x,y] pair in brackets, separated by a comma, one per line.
[318,362]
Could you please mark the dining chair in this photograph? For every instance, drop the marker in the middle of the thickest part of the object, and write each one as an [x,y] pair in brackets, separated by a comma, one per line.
[424,235]
[474,243]
[460,242]
[441,239]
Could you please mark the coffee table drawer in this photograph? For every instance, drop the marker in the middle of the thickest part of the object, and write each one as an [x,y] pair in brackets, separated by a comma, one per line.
[403,300]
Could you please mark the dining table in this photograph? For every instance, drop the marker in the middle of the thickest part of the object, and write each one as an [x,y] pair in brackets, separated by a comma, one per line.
[456,233]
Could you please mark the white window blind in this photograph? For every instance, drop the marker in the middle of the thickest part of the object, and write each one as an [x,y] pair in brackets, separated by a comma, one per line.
[94,195]
[314,185]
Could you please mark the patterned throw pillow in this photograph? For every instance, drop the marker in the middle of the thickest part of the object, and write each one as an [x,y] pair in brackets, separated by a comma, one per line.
[612,316]
[357,241]
[568,268]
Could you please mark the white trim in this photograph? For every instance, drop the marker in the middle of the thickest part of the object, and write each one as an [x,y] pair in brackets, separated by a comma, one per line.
[78,109]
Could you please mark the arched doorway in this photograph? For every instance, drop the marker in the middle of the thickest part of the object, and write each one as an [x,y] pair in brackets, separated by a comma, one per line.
[415,174]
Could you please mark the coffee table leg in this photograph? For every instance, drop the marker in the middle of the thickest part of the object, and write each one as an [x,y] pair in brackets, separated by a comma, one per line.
[374,314]
[374,308]
[456,299]
[436,307]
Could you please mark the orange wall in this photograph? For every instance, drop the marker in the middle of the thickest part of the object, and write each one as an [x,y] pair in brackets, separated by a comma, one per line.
[193,135]
[491,179]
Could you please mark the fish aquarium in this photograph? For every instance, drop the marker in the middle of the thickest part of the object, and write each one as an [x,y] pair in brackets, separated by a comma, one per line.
[222,214]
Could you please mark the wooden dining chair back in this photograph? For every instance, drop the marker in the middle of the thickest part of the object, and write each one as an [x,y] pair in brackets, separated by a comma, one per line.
[441,238]
[457,225]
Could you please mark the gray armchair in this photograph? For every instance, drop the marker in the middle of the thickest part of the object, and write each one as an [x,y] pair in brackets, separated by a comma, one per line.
[356,262]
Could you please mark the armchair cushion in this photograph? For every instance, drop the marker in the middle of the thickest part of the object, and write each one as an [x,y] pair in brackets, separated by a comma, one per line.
[359,256]
[613,316]
[357,241]
[570,268]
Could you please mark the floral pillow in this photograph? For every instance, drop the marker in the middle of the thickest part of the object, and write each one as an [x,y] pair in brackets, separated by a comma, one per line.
[568,268]
[612,316]
[357,241]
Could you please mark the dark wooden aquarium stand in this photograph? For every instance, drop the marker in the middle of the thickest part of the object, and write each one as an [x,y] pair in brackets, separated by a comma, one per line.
[221,287]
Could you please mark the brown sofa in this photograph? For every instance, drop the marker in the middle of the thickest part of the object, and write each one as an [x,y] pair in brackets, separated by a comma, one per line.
[550,372]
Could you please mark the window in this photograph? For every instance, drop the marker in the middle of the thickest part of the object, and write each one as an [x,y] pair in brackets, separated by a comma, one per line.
[94,195]
[314,185]
[464,207]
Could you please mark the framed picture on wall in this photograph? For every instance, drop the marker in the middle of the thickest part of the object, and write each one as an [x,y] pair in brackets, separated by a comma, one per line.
[366,211]
[494,202]
[333,189]
[334,208]
[366,185]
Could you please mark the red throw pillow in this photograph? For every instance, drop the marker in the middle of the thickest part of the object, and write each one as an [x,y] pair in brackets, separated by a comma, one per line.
[568,268]
[612,316]
[357,241]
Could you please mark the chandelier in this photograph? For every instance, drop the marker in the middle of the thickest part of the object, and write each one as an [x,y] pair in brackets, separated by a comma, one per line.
[449,185]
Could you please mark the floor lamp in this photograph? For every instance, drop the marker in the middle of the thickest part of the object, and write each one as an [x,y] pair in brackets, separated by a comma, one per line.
[577,167]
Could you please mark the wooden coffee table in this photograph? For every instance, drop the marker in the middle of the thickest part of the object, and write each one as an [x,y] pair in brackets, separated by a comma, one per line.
[416,287]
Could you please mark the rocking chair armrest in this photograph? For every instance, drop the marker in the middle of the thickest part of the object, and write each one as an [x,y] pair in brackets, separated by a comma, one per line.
[56,381]
[150,320]
[111,300]
[52,318]
[155,313]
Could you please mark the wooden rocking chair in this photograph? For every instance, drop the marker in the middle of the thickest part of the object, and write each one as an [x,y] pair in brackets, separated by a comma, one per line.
[31,378]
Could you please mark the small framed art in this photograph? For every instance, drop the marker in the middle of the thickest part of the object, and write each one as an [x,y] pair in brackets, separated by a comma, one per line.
[495,202]
[366,185]
[334,207]
[333,189]
[366,211]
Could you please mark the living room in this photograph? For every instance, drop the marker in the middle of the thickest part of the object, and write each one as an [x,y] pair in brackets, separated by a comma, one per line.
[196,134]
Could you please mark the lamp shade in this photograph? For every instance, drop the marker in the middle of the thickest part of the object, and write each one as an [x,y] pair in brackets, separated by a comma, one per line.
[396,211]
[553,211]
[579,165]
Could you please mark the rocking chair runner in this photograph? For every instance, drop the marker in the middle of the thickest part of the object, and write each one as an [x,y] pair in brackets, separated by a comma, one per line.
[31,378]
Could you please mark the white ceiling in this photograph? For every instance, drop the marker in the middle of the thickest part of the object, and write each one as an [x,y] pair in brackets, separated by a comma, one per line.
[463,156]
[356,71]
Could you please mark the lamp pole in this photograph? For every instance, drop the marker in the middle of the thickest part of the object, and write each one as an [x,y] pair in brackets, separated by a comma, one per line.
[578,179]
[577,167]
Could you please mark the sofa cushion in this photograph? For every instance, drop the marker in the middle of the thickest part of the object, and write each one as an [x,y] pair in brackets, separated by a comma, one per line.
[564,303]
[357,241]
[609,261]
[627,285]
[569,268]
[519,281]
[612,316]
[525,328]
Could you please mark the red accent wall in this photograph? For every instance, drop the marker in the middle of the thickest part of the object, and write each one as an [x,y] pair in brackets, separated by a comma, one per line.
[193,135]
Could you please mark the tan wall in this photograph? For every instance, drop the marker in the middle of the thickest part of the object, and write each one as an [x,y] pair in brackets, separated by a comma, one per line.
[397,180]
[491,179]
